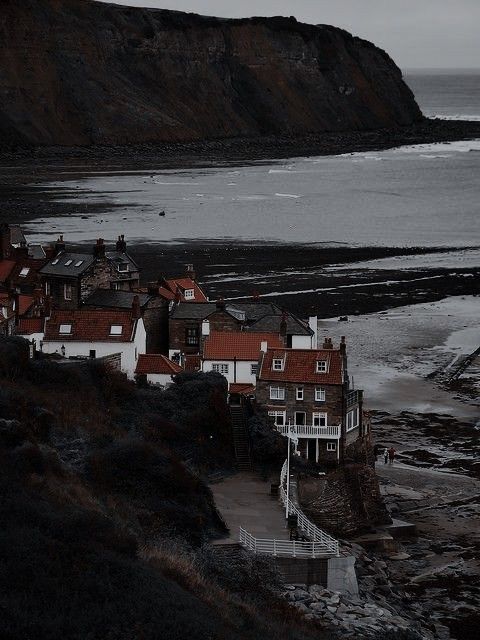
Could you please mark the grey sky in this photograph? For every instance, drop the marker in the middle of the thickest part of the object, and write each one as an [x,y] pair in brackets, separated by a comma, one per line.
[416,33]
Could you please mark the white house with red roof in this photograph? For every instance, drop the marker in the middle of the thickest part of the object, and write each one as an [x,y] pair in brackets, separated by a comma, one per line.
[156,368]
[95,333]
[235,354]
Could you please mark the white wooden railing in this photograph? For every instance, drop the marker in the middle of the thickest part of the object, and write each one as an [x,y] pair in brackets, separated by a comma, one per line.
[308,430]
[288,548]
[310,530]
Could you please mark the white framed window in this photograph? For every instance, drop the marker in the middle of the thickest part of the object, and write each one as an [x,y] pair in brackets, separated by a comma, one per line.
[321,366]
[189,294]
[299,393]
[254,369]
[65,329]
[67,291]
[319,419]
[277,393]
[79,263]
[116,329]
[319,395]
[277,364]
[47,288]
[115,286]
[68,263]
[55,261]
[122,267]
[280,417]
[24,272]
[331,446]
[220,368]
[353,419]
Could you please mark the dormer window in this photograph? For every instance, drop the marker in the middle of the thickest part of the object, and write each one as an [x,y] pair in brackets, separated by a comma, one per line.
[278,364]
[321,366]
[116,330]
[24,272]
[189,294]
[65,329]
[55,261]
[122,267]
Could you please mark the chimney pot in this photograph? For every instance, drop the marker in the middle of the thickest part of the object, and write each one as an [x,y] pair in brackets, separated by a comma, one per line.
[191,272]
[264,346]
[99,249]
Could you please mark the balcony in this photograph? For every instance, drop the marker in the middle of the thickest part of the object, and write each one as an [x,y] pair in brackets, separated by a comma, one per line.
[310,431]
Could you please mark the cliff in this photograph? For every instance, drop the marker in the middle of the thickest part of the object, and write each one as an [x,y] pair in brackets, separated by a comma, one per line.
[77,72]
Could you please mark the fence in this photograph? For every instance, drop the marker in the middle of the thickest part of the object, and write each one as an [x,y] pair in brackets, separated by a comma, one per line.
[282,548]
[306,430]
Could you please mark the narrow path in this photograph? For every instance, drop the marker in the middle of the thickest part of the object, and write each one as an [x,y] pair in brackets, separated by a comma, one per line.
[244,500]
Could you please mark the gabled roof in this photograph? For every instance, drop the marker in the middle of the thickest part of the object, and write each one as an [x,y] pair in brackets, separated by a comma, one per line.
[27,326]
[180,285]
[229,345]
[6,268]
[192,362]
[24,303]
[243,389]
[17,237]
[120,257]
[115,299]
[301,366]
[193,310]
[91,325]
[78,263]
[295,326]
[156,363]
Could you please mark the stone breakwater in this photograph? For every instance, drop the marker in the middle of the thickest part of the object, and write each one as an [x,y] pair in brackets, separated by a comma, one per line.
[380,608]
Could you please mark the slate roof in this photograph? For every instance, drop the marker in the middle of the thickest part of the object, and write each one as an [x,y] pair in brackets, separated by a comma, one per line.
[300,366]
[57,266]
[27,326]
[295,326]
[115,299]
[90,325]
[156,363]
[193,310]
[227,345]
[120,257]
[17,236]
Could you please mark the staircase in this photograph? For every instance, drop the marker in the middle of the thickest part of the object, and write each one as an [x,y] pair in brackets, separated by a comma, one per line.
[241,443]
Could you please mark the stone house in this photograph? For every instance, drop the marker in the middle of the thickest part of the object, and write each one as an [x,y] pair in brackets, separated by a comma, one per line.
[69,278]
[307,392]
[189,323]
[235,354]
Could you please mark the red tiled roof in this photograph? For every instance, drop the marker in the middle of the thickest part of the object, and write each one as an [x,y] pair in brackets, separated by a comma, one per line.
[227,345]
[165,293]
[156,363]
[192,363]
[243,389]
[27,326]
[180,284]
[6,268]
[90,325]
[24,303]
[300,366]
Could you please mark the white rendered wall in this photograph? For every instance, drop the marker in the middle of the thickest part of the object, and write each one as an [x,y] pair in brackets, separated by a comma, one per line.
[240,373]
[159,378]
[301,342]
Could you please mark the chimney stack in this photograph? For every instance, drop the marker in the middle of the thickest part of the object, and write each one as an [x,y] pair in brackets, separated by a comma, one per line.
[152,288]
[220,304]
[22,250]
[191,272]
[327,343]
[255,296]
[264,346]
[283,326]
[343,345]
[99,249]
[136,312]
[121,245]
[5,242]
[59,245]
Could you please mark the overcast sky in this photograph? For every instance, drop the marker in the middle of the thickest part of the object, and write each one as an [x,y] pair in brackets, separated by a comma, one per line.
[416,33]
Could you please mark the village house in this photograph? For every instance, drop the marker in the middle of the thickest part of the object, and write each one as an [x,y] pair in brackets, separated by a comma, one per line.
[153,308]
[69,278]
[184,288]
[20,262]
[306,392]
[235,354]
[189,322]
[156,368]
[95,333]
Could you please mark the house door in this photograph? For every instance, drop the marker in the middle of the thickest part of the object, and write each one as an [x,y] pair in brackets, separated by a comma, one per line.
[312,449]
[300,417]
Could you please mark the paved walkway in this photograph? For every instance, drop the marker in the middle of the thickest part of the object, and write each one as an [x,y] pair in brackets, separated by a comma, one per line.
[244,500]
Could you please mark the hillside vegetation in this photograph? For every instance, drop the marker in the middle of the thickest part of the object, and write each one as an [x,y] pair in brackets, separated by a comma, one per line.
[104,524]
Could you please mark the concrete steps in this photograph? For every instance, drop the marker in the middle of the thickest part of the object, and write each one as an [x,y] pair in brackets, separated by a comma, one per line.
[241,443]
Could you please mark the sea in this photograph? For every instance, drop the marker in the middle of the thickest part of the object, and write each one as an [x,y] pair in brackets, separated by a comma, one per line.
[422,195]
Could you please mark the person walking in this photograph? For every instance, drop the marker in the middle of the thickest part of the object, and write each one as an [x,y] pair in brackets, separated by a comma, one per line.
[391,455]
[385,455]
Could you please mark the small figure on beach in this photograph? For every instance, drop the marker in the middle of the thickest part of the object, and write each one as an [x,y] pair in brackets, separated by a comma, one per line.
[391,455]
[385,455]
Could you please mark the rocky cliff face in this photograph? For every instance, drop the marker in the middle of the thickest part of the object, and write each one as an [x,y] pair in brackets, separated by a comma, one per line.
[76,72]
